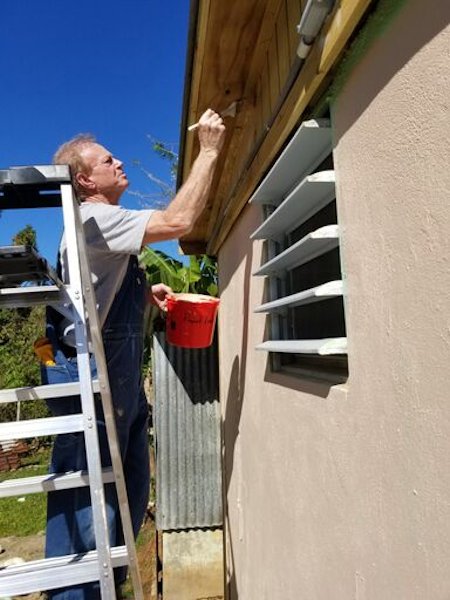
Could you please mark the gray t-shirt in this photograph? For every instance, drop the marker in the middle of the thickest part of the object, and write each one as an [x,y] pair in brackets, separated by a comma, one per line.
[113,233]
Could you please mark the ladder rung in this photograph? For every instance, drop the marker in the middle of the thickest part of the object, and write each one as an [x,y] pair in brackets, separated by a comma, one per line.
[52,573]
[49,483]
[20,297]
[44,392]
[20,430]
[20,264]
[37,175]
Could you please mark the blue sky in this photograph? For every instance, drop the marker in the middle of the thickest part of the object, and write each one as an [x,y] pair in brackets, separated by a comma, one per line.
[108,67]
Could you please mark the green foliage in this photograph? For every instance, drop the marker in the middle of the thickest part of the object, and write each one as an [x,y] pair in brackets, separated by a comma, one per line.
[167,154]
[164,152]
[199,276]
[25,237]
[19,328]
[28,516]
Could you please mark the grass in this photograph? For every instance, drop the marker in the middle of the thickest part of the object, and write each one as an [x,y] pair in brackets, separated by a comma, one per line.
[146,555]
[25,515]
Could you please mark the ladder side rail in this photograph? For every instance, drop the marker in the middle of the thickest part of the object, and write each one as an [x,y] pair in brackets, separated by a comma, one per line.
[106,397]
[75,291]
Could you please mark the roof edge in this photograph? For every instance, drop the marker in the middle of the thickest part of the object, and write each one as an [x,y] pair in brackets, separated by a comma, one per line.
[192,34]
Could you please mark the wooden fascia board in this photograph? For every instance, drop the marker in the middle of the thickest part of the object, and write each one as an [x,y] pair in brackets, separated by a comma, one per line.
[327,49]
[198,95]
[240,121]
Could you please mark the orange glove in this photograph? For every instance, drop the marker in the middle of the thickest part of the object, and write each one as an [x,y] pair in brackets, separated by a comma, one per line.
[44,351]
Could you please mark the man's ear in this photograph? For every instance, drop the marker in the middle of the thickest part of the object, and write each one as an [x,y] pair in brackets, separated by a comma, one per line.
[84,181]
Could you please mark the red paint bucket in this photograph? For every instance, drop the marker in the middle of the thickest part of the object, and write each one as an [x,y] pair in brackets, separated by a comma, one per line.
[190,320]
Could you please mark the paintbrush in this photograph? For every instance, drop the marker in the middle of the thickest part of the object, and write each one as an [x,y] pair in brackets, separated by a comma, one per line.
[230,111]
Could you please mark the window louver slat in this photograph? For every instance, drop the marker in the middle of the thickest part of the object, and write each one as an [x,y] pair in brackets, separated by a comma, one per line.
[307,149]
[312,194]
[309,247]
[331,289]
[323,347]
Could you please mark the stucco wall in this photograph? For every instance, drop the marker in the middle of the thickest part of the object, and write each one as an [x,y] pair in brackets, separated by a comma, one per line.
[344,492]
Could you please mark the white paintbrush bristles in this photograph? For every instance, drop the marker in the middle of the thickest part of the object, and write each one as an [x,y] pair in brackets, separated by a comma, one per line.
[230,111]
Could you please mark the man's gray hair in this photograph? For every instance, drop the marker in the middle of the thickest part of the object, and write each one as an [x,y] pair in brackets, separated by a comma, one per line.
[70,154]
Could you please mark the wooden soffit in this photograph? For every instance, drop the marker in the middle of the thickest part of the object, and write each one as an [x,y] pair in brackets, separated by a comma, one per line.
[244,51]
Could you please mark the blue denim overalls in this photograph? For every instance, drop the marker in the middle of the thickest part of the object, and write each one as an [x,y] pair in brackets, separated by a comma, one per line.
[69,522]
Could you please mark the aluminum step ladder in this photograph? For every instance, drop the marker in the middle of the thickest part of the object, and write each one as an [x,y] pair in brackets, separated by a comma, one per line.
[50,186]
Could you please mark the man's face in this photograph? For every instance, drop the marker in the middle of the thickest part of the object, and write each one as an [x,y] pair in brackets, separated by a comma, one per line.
[105,172]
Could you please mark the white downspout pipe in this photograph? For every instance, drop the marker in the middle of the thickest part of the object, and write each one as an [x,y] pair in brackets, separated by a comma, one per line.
[313,18]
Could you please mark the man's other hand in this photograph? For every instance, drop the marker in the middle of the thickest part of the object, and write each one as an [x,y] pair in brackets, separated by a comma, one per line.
[158,295]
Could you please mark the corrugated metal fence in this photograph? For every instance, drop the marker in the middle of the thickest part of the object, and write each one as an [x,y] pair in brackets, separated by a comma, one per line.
[187,429]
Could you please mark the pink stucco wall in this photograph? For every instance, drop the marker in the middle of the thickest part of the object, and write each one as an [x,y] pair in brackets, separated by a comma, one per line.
[343,492]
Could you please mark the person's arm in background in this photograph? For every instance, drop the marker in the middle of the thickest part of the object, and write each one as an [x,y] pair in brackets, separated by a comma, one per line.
[179,217]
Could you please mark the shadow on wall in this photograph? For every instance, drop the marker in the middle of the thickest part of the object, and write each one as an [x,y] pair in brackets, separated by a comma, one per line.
[305,385]
[230,433]
[418,25]
[234,405]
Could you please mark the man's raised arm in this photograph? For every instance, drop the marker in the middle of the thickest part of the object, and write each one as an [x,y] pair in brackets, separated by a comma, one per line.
[179,217]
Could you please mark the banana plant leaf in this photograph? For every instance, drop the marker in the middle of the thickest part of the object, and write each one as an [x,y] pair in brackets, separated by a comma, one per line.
[200,276]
